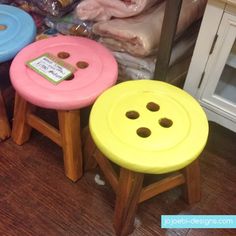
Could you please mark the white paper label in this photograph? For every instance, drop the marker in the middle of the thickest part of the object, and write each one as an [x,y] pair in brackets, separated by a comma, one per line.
[49,69]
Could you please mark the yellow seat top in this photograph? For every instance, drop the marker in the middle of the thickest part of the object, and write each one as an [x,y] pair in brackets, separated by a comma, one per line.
[148,126]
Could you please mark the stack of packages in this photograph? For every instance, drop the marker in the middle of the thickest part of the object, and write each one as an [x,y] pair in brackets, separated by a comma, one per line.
[132,28]
[129,28]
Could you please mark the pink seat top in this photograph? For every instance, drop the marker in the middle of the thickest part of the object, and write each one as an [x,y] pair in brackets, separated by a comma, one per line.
[82,90]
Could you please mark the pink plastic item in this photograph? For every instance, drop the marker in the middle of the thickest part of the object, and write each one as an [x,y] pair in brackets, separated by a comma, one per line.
[103,10]
[100,73]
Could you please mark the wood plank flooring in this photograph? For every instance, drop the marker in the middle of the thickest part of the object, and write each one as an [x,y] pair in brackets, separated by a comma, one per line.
[37,199]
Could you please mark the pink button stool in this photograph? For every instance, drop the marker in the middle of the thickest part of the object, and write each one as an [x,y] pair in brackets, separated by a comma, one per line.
[96,71]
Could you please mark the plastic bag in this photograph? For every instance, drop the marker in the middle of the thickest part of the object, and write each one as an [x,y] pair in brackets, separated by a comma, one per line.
[45,7]
[55,7]
[69,25]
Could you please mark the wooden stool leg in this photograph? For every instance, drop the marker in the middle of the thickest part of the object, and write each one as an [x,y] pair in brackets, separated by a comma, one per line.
[21,130]
[89,148]
[69,126]
[130,185]
[192,188]
[5,130]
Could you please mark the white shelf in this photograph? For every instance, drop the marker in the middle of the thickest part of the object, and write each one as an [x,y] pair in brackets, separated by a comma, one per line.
[217,92]
[231,61]
[226,87]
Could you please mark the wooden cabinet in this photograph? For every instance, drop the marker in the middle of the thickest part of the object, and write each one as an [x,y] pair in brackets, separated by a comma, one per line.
[212,73]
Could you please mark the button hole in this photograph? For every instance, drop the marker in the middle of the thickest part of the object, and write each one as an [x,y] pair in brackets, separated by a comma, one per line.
[63,55]
[132,115]
[3,27]
[152,106]
[70,77]
[82,64]
[143,132]
[165,122]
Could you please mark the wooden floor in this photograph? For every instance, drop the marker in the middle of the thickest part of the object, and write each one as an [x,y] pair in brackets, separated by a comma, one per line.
[37,199]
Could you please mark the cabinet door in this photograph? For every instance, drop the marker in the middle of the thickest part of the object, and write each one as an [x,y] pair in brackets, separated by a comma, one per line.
[218,90]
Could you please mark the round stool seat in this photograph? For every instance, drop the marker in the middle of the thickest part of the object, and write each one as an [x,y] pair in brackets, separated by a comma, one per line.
[17,29]
[98,72]
[148,126]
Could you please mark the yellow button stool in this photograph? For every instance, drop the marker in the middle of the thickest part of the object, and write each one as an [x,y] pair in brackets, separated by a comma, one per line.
[152,127]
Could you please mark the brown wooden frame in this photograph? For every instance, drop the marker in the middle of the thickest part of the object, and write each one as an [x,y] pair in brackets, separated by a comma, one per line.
[129,189]
[67,136]
[168,32]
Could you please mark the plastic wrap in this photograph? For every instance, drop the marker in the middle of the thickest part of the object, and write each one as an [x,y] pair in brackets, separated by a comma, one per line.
[101,10]
[55,7]
[47,33]
[140,35]
[45,7]
[69,25]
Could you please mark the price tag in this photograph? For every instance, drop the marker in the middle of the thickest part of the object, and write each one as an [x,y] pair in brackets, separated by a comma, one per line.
[52,68]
